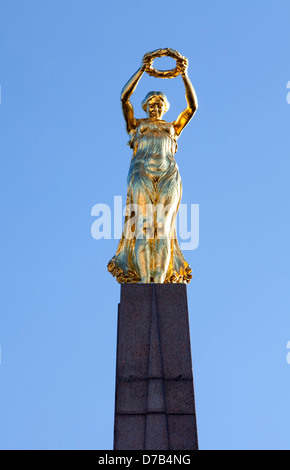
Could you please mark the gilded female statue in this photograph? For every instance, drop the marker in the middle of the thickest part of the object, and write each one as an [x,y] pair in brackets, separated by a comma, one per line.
[148,250]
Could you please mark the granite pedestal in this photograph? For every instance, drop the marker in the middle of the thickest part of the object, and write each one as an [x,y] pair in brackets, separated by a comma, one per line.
[155,406]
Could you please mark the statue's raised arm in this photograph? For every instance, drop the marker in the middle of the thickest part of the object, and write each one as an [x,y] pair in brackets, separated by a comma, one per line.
[191,98]
[128,91]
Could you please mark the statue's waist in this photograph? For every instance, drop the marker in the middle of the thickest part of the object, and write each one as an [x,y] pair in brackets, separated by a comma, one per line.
[154,165]
[153,161]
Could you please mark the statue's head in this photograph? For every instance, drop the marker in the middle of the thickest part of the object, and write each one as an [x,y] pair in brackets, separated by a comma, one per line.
[155,104]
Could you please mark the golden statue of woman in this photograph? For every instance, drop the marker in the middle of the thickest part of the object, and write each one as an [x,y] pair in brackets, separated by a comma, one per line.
[148,250]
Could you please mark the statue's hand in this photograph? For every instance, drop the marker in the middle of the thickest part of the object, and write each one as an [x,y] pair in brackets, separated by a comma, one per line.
[182,65]
[146,61]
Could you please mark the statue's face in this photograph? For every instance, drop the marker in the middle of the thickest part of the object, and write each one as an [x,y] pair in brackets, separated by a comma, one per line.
[155,108]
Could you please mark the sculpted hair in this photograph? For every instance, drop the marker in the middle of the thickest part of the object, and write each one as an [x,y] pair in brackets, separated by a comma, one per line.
[155,94]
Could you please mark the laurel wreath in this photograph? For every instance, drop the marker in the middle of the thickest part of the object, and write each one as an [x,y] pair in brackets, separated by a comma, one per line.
[164,73]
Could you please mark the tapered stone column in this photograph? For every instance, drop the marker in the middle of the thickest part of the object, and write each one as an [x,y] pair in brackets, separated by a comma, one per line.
[155,406]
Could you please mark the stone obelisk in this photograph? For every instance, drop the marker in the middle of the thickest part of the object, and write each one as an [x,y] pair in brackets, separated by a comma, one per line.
[155,405]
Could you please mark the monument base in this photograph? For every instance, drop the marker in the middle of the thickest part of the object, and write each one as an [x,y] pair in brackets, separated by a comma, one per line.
[155,406]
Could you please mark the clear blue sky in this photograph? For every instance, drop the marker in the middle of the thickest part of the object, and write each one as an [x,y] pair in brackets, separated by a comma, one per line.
[63,150]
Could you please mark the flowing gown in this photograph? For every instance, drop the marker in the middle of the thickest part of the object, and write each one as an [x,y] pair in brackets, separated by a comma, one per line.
[153,180]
